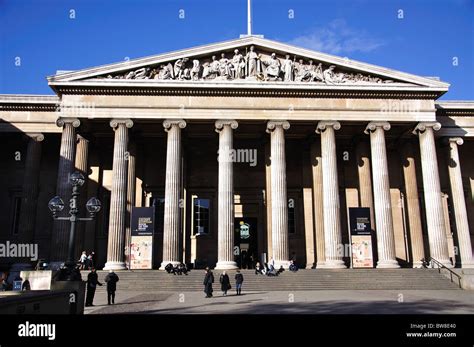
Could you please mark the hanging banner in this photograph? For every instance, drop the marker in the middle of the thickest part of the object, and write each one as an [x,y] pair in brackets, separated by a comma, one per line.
[361,237]
[141,243]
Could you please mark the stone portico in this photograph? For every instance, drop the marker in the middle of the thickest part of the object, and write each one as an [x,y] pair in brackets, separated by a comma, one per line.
[328,134]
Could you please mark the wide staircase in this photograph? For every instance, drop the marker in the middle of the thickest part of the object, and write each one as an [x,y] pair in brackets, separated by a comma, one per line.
[349,279]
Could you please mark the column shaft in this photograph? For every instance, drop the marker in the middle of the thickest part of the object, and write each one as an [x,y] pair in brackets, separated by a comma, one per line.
[280,248]
[318,204]
[225,238]
[432,191]
[171,233]
[81,165]
[118,197]
[334,249]
[459,204]
[131,195]
[365,180]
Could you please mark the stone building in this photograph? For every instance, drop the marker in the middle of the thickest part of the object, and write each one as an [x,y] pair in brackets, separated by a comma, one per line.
[301,137]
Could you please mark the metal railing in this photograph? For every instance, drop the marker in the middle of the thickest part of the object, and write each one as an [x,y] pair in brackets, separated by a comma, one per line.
[432,262]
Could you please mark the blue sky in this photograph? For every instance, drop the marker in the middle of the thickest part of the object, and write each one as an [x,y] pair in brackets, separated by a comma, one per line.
[38,37]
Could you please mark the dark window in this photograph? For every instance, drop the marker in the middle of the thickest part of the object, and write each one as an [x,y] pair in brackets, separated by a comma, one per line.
[16,214]
[291,219]
[159,204]
[201,216]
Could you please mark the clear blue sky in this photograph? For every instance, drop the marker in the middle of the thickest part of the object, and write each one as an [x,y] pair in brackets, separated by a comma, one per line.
[426,41]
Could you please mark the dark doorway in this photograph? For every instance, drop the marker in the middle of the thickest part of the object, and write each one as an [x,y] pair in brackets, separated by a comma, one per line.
[245,242]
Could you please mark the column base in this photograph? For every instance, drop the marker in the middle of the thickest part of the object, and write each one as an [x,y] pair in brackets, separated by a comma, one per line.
[417,264]
[445,262]
[387,264]
[172,262]
[115,265]
[226,265]
[320,265]
[467,265]
[333,264]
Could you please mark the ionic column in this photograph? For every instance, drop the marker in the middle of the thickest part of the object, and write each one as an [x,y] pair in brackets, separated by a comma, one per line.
[30,188]
[365,181]
[82,154]
[225,238]
[318,204]
[118,196]
[67,151]
[382,201]
[413,204]
[332,209]
[171,232]
[131,195]
[280,248]
[459,203]
[432,191]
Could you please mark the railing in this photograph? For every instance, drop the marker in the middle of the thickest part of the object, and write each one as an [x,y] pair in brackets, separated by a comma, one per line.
[431,262]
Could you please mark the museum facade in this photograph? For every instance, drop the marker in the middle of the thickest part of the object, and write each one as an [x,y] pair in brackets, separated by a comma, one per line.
[248,150]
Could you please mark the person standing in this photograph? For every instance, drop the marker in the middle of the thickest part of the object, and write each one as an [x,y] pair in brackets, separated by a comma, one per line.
[111,279]
[225,283]
[92,282]
[239,279]
[208,281]
[83,260]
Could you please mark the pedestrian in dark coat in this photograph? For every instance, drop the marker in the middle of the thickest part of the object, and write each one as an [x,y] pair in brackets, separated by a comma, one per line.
[239,279]
[208,281]
[92,282]
[225,283]
[111,279]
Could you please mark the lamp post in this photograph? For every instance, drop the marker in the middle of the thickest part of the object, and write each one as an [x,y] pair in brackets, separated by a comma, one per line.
[56,205]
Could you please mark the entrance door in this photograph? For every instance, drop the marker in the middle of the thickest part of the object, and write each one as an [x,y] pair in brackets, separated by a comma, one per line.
[245,242]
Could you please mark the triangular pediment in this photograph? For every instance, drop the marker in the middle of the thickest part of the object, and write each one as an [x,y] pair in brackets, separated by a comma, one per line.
[247,61]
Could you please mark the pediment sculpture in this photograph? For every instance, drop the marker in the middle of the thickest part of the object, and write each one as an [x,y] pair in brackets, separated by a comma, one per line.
[250,66]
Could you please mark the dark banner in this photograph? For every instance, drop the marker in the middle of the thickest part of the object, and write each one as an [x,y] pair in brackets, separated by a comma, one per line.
[143,221]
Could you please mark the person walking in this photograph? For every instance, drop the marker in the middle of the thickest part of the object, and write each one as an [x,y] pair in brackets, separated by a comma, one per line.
[92,282]
[239,279]
[83,260]
[208,281]
[225,283]
[111,279]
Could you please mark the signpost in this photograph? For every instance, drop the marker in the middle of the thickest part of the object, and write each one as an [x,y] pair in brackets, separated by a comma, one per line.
[141,243]
[361,237]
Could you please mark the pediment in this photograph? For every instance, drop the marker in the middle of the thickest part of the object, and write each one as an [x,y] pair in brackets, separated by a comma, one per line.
[247,61]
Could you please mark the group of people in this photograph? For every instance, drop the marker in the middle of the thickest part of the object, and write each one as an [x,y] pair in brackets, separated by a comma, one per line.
[86,262]
[224,281]
[93,281]
[176,270]
[269,269]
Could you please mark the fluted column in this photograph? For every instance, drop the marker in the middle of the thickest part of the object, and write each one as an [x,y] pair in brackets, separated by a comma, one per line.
[365,180]
[459,203]
[332,209]
[30,188]
[118,196]
[318,205]
[67,151]
[382,199]
[131,190]
[81,165]
[225,237]
[280,246]
[432,191]
[413,204]
[171,232]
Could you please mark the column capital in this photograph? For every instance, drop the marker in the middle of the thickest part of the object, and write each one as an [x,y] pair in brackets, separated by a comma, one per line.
[114,123]
[168,123]
[38,137]
[457,140]
[273,124]
[62,121]
[324,124]
[372,126]
[80,137]
[422,126]
[220,123]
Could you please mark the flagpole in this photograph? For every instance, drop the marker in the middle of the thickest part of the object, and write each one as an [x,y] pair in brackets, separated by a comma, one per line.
[249,17]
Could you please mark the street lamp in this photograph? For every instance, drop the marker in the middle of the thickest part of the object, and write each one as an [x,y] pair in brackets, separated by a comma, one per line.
[56,205]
